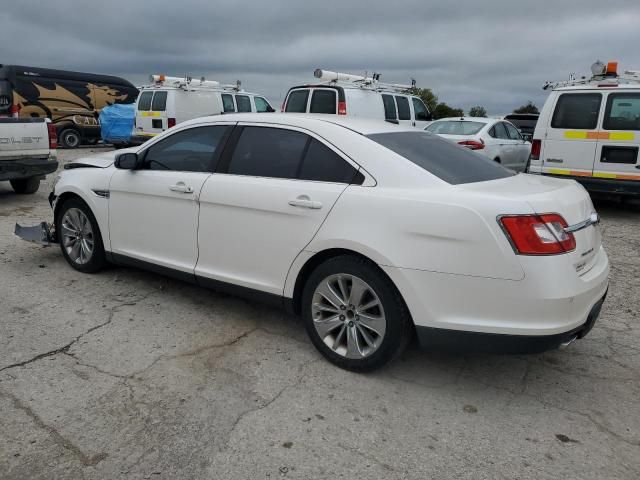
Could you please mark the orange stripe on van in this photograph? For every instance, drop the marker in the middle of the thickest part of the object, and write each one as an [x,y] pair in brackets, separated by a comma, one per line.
[597,135]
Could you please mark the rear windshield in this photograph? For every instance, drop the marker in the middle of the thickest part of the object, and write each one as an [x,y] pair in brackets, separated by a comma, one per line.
[453,127]
[159,102]
[144,102]
[297,101]
[444,159]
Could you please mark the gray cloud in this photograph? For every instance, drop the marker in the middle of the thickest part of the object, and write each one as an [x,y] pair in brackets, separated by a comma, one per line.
[491,53]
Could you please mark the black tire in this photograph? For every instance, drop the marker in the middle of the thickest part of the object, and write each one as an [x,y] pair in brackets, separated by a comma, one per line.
[70,138]
[97,260]
[25,185]
[399,326]
[526,167]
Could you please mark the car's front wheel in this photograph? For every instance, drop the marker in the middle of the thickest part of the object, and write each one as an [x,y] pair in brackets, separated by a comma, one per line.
[79,236]
[354,315]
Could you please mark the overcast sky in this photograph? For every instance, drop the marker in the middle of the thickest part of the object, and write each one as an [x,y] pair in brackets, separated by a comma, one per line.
[470,52]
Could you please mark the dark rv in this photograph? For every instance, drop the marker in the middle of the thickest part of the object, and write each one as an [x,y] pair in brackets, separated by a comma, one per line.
[72,100]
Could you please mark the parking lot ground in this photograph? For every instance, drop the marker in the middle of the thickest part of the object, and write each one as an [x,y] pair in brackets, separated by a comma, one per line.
[126,374]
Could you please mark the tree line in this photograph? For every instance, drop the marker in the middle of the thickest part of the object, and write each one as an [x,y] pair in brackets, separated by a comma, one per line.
[442,110]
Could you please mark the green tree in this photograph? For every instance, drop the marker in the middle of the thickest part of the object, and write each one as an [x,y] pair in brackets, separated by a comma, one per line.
[443,110]
[528,108]
[428,97]
[477,111]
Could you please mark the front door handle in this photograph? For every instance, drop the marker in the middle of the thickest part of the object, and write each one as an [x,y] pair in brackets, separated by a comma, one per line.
[305,202]
[181,187]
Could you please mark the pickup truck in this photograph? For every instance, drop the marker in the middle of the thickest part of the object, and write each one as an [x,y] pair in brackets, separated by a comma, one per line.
[27,152]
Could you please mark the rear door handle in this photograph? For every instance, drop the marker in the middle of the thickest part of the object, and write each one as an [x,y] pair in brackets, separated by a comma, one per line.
[304,201]
[181,187]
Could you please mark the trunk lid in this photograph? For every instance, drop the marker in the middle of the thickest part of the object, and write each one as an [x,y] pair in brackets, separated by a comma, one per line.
[551,195]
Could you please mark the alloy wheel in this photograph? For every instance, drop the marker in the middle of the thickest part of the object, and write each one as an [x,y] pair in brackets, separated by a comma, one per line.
[77,236]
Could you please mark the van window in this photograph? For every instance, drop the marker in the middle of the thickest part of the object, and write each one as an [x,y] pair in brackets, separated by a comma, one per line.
[404,113]
[577,110]
[244,103]
[389,107]
[159,103]
[262,105]
[190,150]
[227,103]
[323,101]
[422,114]
[323,165]
[297,101]
[441,157]
[268,152]
[622,112]
[144,102]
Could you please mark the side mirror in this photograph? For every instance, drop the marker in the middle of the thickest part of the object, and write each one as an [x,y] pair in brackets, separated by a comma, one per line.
[270,109]
[128,161]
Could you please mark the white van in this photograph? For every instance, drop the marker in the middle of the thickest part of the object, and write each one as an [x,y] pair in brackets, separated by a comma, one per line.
[168,101]
[357,96]
[589,130]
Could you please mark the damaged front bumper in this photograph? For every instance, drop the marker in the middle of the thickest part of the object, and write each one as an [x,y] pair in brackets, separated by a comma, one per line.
[42,234]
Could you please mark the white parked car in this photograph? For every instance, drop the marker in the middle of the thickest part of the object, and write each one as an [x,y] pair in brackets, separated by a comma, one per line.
[369,231]
[497,139]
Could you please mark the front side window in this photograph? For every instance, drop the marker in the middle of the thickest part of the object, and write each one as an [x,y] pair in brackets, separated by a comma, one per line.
[323,165]
[262,105]
[189,150]
[268,152]
[455,127]
[244,103]
[512,131]
[420,109]
[389,108]
[227,103]
[144,102]
[498,131]
[404,113]
[297,101]
[623,112]
[323,101]
[441,157]
[159,103]
[577,110]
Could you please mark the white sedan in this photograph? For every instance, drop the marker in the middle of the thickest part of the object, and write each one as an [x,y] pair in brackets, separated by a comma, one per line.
[498,140]
[370,231]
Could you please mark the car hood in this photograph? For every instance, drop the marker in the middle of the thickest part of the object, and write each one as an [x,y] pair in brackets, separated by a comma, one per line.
[100,160]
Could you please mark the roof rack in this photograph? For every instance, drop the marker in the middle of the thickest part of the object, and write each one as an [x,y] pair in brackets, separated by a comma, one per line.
[188,83]
[602,75]
[365,82]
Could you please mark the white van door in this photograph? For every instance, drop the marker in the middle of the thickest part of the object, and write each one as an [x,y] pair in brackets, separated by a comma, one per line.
[151,114]
[571,137]
[619,137]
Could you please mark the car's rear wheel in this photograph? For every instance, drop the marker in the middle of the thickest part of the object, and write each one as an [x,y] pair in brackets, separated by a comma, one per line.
[70,138]
[79,237]
[25,185]
[354,315]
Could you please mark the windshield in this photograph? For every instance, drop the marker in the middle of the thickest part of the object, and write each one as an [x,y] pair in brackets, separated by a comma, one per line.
[444,159]
[453,127]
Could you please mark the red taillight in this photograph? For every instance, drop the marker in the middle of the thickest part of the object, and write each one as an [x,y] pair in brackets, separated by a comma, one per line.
[53,136]
[342,108]
[171,122]
[536,147]
[15,110]
[472,144]
[538,234]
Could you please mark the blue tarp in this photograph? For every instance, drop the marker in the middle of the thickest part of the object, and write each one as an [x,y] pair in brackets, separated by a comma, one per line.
[116,122]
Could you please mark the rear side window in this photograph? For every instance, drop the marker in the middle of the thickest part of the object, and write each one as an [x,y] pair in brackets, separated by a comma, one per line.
[297,101]
[623,112]
[244,103]
[159,103]
[577,110]
[268,152]
[421,112]
[442,158]
[324,165]
[404,112]
[389,108]
[455,127]
[144,102]
[227,103]
[189,150]
[323,101]
[262,105]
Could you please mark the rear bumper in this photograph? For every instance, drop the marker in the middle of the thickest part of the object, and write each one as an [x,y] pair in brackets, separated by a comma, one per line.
[27,168]
[438,339]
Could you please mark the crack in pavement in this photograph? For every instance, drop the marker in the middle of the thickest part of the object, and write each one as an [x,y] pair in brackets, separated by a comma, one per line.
[87,461]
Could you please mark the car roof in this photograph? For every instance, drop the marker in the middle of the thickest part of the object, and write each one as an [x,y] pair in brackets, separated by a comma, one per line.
[363,126]
[595,88]
[467,119]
